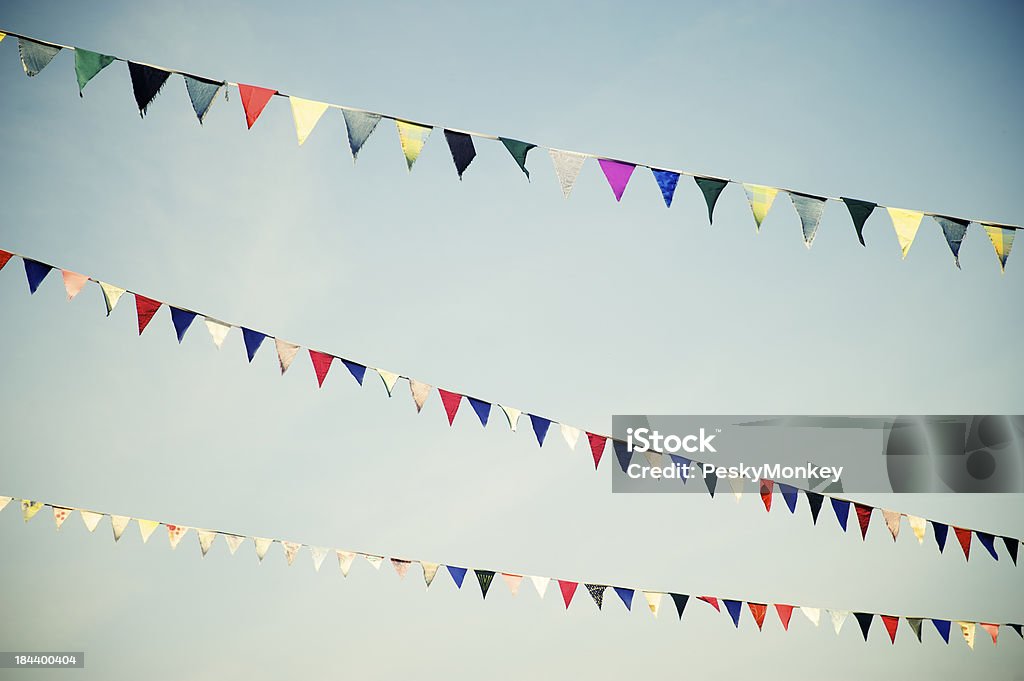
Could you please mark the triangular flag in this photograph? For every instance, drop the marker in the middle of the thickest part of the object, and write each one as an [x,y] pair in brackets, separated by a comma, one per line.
[964,537]
[758,611]
[373,560]
[918,526]
[942,626]
[735,609]
[206,538]
[88,64]
[617,173]
[145,308]
[60,514]
[321,365]
[859,211]
[175,533]
[993,631]
[814,500]
[667,181]
[809,208]
[519,150]
[760,198]
[285,353]
[568,589]
[35,56]
[891,623]
[357,370]
[863,518]
[147,82]
[711,188]
[892,521]
[118,523]
[570,434]
[463,151]
[429,571]
[842,509]
[202,93]
[306,113]
[146,528]
[30,508]
[967,629]
[345,559]
[1018,628]
[458,574]
[653,601]
[254,99]
[513,582]
[915,626]
[389,379]
[91,519]
[401,566]
[622,453]
[111,294]
[482,409]
[218,330]
[253,340]
[412,138]
[291,549]
[420,392]
[567,168]
[540,427]
[1002,242]
[233,541]
[813,614]
[512,414]
[864,620]
[597,445]
[710,600]
[359,125]
[735,483]
[597,593]
[711,480]
[785,613]
[262,546]
[625,595]
[905,222]
[35,272]
[540,584]
[484,579]
[954,230]
[1011,547]
[319,553]
[766,494]
[181,319]
[680,601]
[941,531]
[989,542]
[5,257]
[451,402]
[838,617]
[789,493]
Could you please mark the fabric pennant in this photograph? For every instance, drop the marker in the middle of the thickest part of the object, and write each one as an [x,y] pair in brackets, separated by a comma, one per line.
[653,599]
[60,514]
[597,593]
[88,64]
[967,629]
[202,93]
[519,150]
[622,453]
[218,330]
[711,481]
[891,623]
[175,533]
[145,308]
[420,392]
[513,582]
[667,181]
[918,525]
[617,173]
[735,609]
[285,353]
[942,626]
[863,518]
[789,494]
[860,211]
[429,571]
[147,82]
[461,146]
[1011,547]
[233,541]
[91,519]
[1018,628]
[451,402]
[785,613]
[118,523]
[512,414]
[540,428]
[570,434]
[915,626]
[482,409]
[319,553]
[111,294]
[625,595]
[540,584]
[412,137]
[758,611]
[389,378]
[146,528]
[993,631]
[374,561]
[568,590]
[484,579]
[680,601]
[954,230]
[401,566]
[30,508]
[206,538]
[345,560]
[864,620]
[964,537]
[181,319]
[35,56]
[892,521]
[567,168]
[906,223]
[761,198]
[810,209]
[35,272]
[357,370]
[765,489]
[597,445]
[989,542]
[814,500]
[359,124]
[254,100]
[842,509]
[321,365]
[5,257]
[291,549]
[812,614]
[458,574]
[940,531]
[711,188]
[710,600]
[307,114]
[736,484]
[1002,242]
[838,618]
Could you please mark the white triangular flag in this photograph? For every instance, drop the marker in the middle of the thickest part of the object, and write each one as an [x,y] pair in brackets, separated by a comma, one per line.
[918,525]
[118,523]
[218,329]
[512,414]
[892,521]
[319,553]
[653,458]
[737,486]
[345,559]
[206,538]
[513,582]
[375,561]
[91,519]
[540,584]
[429,571]
[290,550]
[813,614]
[146,528]
[285,353]
[306,113]
[60,515]
[111,294]
[175,533]
[420,392]
[567,168]
[838,617]
[905,222]
[262,546]
[389,379]
[653,601]
[4,501]
[233,541]
[571,435]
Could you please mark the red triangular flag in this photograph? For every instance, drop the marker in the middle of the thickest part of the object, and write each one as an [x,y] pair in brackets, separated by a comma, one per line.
[964,537]
[710,600]
[785,612]
[758,610]
[891,622]
[145,308]
[597,444]
[253,100]
[451,403]
[993,631]
[863,517]
[766,493]
[321,364]
[568,590]
[4,257]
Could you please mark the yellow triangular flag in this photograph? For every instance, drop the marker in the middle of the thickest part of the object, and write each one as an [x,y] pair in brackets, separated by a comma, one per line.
[967,628]
[389,379]
[412,137]
[429,570]
[345,559]
[905,222]
[918,525]
[111,294]
[761,199]
[290,550]
[146,528]
[60,515]
[653,601]
[30,508]
[233,541]
[262,546]
[175,533]
[2,36]
[1002,241]
[119,523]
[91,519]
[206,538]
[306,113]
[512,414]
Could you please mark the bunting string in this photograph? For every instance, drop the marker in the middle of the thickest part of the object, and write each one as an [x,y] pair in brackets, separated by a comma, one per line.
[148,80]
[182,319]
[567,588]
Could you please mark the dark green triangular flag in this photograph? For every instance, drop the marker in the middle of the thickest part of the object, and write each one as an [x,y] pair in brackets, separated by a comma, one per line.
[915,625]
[954,230]
[146,83]
[88,64]
[485,577]
[35,56]
[597,593]
[711,189]
[201,92]
[859,211]
[519,150]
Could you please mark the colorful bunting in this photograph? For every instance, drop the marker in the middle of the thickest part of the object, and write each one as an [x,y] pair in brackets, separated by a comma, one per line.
[570,434]
[218,330]
[519,150]
[915,626]
[812,614]
[680,601]
[252,340]
[146,528]
[625,595]
[35,56]
[254,100]
[513,582]
[87,65]
[484,578]
[864,620]
[838,617]
[345,560]
[359,124]
[967,629]
[860,211]
[429,571]
[842,509]
[307,114]
[653,599]
[597,593]
[357,370]
[942,626]
[461,146]
[906,223]
[35,272]
[233,541]
[892,521]
[891,623]
[989,542]
[5,257]
[766,494]
[785,614]
[412,137]
[29,509]
[451,402]
[512,414]
[667,181]
[401,566]
[389,378]
[710,600]
[940,531]
[918,526]
[118,524]
[458,574]
[147,82]
[993,631]
[597,445]
[145,308]
[735,609]
[760,198]
[175,533]
[789,493]
[617,173]
[202,92]
[206,538]
[711,188]
[1011,547]
[60,515]
[291,549]
[810,209]
[567,167]
[540,584]
[758,611]
[1002,242]
[954,230]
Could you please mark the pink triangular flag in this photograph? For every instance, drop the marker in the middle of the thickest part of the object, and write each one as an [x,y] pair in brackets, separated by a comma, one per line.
[73,282]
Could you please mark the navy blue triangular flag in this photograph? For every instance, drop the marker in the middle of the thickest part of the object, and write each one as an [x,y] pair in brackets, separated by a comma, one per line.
[622,453]
[458,574]
[842,509]
[463,151]
[146,83]
[989,542]
[942,626]
[484,577]
[864,620]
[734,608]
[789,493]
[35,272]
[540,427]
[181,320]
[814,501]
[940,535]
[1011,547]
[683,464]
[356,369]
[626,595]
[482,409]
[667,181]
[680,601]
[253,340]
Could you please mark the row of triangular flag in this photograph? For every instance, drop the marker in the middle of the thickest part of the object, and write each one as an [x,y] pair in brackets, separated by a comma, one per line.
[182,319]
[484,578]
[147,81]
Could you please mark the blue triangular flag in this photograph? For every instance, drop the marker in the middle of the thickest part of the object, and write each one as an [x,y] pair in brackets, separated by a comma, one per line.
[482,409]
[181,320]
[35,56]
[359,124]
[989,542]
[667,181]
[842,509]
[789,493]
[356,369]
[35,272]
[458,574]
[540,427]
[683,464]
[864,619]
[201,92]
[253,340]
[940,535]
[626,595]
[734,608]
[942,626]
[622,453]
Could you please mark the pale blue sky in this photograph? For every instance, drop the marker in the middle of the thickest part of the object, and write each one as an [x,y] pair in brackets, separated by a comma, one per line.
[498,287]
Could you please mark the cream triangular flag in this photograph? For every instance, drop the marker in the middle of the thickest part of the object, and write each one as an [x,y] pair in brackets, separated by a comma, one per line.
[206,538]
[345,559]
[30,508]
[118,523]
[146,528]
[540,584]
[73,283]
[1002,241]
[375,561]
[412,137]
[389,379]
[653,601]
[838,617]
[420,392]
[653,458]
[262,546]
[512,414]
[813,614]
[892,521]
[429,571]
[60,515]
[175,533]
[291,549]
[737,486]
[967,628]
[4,501]
[218,329]
[567,168]
[760,198]
[285,353]
[513,582]
[233,541]
[918,525]
[905,222]
[111,294]
[401,567]
[306,113]
[91,519]
[319,553]
[571,435]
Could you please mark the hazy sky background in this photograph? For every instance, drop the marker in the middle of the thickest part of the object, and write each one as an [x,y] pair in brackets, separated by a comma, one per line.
[495,287]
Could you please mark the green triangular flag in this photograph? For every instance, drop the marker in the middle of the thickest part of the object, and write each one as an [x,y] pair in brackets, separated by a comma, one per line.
[484,577]
[519,150]
[711,189]
[915,625]
[88,64]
